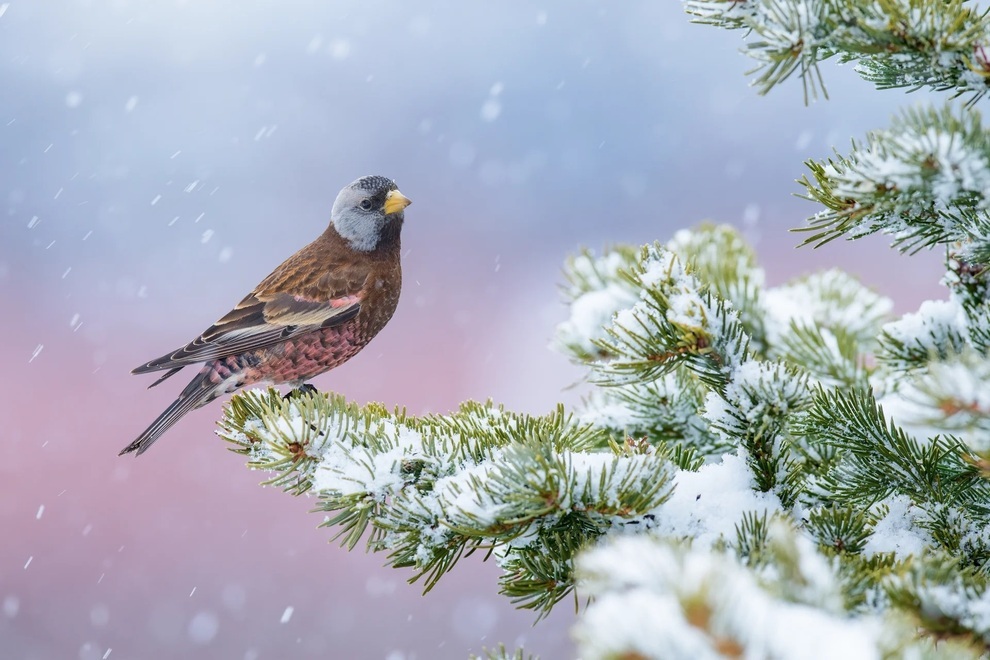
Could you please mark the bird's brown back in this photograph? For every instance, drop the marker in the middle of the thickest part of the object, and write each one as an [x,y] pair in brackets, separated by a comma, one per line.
[327,269]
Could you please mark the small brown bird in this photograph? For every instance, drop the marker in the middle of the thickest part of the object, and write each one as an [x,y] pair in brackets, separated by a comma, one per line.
[315,311]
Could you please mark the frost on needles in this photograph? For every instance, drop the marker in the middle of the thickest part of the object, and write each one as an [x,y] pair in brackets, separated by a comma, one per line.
[913,44]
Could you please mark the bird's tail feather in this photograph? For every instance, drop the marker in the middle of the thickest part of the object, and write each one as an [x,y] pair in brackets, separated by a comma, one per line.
[198,392]
[168,374]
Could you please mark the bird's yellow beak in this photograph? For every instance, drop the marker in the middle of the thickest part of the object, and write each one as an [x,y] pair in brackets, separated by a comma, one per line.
[395,202]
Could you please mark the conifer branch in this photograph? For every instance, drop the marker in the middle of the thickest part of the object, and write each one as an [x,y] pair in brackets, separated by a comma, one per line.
[894,43]
[430,490]
[923,181]
[678,321]
[535,490]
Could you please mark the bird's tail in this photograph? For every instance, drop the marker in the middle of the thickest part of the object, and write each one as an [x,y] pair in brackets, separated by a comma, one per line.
[198,392]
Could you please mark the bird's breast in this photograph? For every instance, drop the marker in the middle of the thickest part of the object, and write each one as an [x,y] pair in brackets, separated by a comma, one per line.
[377,307]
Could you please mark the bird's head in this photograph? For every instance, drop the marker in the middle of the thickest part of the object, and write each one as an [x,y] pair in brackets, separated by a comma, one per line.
[368,212]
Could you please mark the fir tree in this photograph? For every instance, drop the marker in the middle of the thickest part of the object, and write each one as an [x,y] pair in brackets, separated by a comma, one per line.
[768,471]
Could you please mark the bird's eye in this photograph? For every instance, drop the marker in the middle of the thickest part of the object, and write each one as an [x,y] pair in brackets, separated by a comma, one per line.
[366,204]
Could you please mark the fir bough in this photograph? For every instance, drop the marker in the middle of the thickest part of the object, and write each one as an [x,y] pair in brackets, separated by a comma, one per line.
[428,490]
[939,44]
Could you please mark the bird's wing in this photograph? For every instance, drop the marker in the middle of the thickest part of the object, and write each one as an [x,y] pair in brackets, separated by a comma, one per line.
[260,320]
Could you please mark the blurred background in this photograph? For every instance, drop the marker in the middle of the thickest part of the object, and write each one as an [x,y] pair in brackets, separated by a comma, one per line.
[158,159]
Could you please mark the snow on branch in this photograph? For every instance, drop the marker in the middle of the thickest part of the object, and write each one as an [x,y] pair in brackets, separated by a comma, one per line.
[427,490]
[923,181]
[678,320]
[713,606]
[937,44]
[754,411]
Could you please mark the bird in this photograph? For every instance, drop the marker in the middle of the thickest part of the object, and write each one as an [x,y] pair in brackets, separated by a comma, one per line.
[314,312]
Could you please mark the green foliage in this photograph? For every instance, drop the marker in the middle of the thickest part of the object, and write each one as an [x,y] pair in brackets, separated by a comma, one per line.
[880,459]
[533,492]
[895,43]
[429,490]
[678,322]
[922,181]
[843,529]
[922,588]
[718,256]
[834,357]
[751,539]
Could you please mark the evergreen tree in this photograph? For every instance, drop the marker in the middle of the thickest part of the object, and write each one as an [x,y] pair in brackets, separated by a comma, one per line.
[757,471]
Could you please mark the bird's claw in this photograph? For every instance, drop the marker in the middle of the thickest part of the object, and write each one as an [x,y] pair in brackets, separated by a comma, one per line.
[302,390]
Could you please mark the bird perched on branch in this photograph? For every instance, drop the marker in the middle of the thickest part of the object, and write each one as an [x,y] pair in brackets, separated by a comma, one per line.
[314,312]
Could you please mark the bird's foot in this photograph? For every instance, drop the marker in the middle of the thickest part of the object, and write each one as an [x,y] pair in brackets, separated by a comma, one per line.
[302,390]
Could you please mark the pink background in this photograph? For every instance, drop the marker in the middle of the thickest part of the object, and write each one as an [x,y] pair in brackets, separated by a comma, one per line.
[614,123]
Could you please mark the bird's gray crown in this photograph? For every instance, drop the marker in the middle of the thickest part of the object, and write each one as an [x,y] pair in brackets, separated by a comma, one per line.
[375,184]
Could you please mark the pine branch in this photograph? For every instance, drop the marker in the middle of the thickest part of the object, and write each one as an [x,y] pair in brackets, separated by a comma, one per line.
[719,257]
[664,411]
[843,529]
[947,599]
[713,606]
[830,355]
[923,181]
[881,459]
[936,44]
[968,278]
[594,291]
[934,366]
[831,301]
[935,332]
[678,322]
[430,490]
[949,396]
[754,411]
